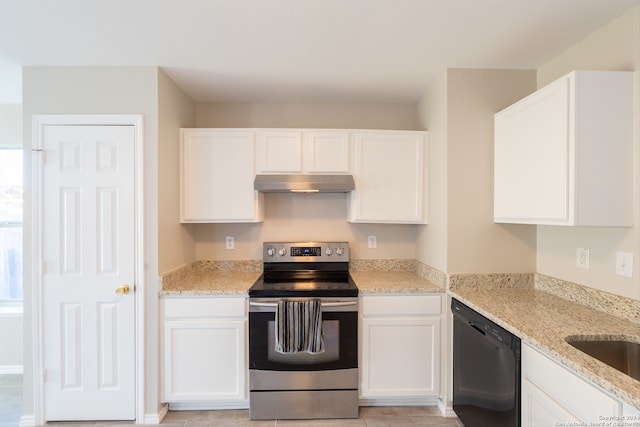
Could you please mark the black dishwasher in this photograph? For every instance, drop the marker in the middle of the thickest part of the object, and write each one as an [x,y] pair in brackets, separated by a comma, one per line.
[486,370]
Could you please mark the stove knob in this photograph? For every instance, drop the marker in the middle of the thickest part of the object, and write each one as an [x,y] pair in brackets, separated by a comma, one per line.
[328,252]
[339,251]
[282,251]
[271,251]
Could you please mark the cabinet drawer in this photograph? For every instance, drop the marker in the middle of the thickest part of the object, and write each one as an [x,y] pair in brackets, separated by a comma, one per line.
[400,305]
[574,393]
[204,307]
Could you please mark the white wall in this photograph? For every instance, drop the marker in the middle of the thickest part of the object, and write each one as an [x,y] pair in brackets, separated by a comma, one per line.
[99,90]
[614,47]
[308,115]
[176,242]
[475,243]
[432,245]
[302,217]
[461,236]
[11,124]
[11,356]
[306,216]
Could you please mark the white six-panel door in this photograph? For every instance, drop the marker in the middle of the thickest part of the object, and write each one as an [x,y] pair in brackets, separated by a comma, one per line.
[88,253]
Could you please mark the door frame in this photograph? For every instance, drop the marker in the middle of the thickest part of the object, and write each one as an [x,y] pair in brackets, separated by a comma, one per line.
[38,124]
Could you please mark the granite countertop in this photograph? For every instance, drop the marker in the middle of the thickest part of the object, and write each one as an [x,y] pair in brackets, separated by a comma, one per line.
[236,277]
[212,283]
[393,282]
[211,278]
[544,320]
[238,283]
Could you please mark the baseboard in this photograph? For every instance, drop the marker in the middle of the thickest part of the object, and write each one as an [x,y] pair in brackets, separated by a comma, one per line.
[27,421]
[446,411]
[150,419]
[400,401]
[208,406]
[153,419]
[11,369]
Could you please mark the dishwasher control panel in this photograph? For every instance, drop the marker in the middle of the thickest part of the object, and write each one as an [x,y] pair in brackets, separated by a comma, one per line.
[481,323]
[494,332]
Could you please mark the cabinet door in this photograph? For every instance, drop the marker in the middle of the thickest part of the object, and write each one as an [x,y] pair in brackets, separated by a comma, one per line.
[217,173]
[205,360]
[389,177]
[326,152]
[564,155]
[532,174]
[279,151]
[400,357]
[553,391]
[540,409]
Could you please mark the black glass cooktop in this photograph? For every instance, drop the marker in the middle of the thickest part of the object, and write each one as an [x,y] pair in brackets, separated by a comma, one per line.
[303,289]
[279,281]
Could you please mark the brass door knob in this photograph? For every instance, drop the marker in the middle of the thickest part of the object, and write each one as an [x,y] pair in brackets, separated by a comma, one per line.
[122,290]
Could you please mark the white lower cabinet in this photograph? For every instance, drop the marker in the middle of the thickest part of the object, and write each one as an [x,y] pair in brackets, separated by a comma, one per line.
[400,347]
[553,395]
[205,351]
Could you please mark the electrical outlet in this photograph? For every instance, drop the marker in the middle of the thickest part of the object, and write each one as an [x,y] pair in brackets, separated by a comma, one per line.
[230,242]
[582,258]
[372,242]
[624,264]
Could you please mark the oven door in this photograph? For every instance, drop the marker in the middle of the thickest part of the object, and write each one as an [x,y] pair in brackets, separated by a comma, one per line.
[340,335]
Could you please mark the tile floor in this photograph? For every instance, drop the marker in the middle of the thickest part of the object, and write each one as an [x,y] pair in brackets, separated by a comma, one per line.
[388,416]
[393,416]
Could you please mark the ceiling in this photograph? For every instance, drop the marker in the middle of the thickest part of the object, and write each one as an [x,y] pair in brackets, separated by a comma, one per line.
[383,51]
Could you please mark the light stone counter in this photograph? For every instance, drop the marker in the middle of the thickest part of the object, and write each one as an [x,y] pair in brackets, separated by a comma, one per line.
[212,283]
[238,283]
[236,277]
[544,321]
[211,278]
[393,282]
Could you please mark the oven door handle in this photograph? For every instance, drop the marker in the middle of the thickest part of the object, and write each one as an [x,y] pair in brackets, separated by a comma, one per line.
[324,304]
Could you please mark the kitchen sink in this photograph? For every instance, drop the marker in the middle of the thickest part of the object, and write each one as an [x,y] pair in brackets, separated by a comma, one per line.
[621,355]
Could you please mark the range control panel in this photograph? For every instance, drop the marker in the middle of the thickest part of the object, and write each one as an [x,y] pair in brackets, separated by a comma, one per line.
[305,252]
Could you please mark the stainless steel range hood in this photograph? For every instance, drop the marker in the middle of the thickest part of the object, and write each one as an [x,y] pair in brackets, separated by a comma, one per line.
[304,183]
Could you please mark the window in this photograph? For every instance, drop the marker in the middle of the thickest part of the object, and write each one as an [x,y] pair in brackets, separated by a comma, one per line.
[11,202]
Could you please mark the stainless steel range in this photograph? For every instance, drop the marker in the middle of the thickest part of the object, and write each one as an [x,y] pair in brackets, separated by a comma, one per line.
[303,333]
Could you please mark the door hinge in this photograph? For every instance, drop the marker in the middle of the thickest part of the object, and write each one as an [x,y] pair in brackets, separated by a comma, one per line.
[40,151]
[44,376]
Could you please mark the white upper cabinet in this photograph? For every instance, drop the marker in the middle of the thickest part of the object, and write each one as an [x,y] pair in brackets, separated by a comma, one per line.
[216,177]
[291,151]
[390,177]
[564,154]
[218,168]
[327,152]
[279,151]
